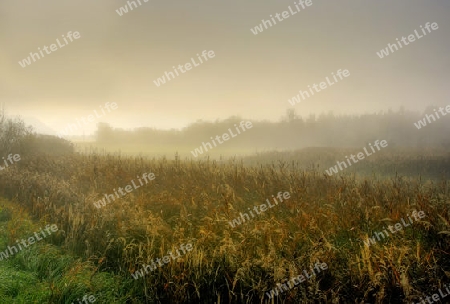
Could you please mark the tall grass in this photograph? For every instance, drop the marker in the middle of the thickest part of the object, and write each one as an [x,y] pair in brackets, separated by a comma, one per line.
[326,219]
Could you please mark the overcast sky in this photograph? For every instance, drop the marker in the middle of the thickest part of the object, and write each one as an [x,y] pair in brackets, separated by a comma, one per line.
[117,59]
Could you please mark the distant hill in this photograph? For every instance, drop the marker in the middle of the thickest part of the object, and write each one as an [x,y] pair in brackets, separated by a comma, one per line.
[38,126]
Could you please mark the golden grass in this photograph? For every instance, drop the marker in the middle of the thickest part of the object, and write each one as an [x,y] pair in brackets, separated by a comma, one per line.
[325,220]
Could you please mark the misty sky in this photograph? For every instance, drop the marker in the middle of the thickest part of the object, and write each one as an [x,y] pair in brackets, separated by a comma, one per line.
[118,57]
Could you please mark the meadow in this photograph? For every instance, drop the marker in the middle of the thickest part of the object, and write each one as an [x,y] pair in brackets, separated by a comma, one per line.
[326,220]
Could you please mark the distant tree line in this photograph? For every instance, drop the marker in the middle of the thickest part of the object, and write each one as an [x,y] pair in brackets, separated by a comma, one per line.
[293,132]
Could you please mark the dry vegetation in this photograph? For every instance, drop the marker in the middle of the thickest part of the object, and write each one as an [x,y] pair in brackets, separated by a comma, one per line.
[325,220]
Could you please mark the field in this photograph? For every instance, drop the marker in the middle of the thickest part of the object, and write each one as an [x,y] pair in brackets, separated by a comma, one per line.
[326,219]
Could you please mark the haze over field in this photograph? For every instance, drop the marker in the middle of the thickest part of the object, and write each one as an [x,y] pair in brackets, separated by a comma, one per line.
[257,151]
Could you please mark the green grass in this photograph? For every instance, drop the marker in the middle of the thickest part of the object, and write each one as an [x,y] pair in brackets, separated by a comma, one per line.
[44,273]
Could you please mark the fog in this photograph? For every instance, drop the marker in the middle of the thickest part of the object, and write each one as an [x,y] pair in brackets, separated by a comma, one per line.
[400,128]
[118,58]
[240,151]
